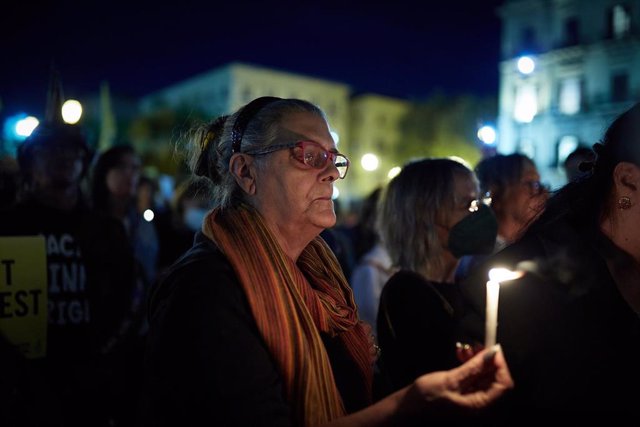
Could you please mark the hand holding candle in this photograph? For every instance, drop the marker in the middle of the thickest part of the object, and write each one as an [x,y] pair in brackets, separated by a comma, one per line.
[496,275]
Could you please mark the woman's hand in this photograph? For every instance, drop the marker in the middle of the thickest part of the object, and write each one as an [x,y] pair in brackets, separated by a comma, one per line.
[466,351]
[473,385]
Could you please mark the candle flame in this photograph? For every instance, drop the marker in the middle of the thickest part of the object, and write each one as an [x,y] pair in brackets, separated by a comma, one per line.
[503,275]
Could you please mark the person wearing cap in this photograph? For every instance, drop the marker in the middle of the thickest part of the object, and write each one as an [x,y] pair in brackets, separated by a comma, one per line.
[256,324]
[90,280]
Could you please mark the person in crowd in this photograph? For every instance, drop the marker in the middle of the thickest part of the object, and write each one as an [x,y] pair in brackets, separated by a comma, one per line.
[114,188]
[570,326]
[511,183]
[90,278]
[430,216]
[256,324]
[192,200]
[364,232]
[374,266]
[571,164]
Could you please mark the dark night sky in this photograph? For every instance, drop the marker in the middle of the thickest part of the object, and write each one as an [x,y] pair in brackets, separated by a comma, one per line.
[399,48]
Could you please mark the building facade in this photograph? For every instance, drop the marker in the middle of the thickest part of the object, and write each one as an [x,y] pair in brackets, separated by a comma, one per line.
[360,124]
[375,133]
[568,68]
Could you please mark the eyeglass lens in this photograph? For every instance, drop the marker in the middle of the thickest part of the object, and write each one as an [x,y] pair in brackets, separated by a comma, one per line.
[317,157]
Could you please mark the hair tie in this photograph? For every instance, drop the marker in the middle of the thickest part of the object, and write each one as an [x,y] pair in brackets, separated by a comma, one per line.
[244,117]
[214,130]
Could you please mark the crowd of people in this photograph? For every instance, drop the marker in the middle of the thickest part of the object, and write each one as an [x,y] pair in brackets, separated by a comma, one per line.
[249,305]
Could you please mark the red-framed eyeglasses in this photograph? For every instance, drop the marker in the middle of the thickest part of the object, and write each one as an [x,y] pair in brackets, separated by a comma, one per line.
[311,154]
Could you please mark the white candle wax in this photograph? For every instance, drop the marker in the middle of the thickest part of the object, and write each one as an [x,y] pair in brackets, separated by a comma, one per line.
[491,315]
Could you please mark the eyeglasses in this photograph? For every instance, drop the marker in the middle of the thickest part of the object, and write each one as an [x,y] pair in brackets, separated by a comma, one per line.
[536,187]
[311,154]
[474,205]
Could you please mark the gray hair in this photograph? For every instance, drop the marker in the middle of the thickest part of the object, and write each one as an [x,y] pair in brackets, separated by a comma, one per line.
[414,201]
[211,143]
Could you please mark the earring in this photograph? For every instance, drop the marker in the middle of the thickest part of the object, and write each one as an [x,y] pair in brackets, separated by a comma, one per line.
[624,203]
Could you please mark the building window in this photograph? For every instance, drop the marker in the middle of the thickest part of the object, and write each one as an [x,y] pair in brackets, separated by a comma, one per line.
[620,87]
[571,32]
[528,40]
[570,96]
[526,147]
[619,21]
[566,146]
[526,106]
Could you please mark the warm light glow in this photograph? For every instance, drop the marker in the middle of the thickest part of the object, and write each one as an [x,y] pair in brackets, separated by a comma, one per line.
[26,126]
[496,275]
[503,274]
[370,162]
[148,215]
[394,171]
[71,111]
[491,314]
[487,134]
[526,65]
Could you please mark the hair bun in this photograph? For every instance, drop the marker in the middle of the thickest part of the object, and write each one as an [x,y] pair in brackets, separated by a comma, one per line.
[210,138]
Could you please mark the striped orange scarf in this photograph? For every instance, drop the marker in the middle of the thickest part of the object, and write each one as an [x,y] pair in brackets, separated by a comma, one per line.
[292,303]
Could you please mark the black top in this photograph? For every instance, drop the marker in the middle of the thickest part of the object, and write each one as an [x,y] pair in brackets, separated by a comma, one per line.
[416,327]
[91,275]
[206,362]
[571,340]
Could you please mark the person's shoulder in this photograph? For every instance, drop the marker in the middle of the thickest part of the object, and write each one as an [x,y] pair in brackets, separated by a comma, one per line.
[407,285]
[202,269]
[403,278]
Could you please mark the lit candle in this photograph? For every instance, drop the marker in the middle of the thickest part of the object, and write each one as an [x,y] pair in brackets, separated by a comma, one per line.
[491,320]
[496,275]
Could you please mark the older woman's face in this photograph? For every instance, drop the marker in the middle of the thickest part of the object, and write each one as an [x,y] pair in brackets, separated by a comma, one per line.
[291,195]
[525,200]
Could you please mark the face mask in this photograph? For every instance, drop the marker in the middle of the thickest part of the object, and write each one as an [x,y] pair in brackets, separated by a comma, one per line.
[193,218]
[475,234]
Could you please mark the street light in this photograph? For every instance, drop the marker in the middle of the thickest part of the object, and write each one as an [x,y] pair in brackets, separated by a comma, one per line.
[370,162]
[71,111]
[24,127]
[526,65]
[487,134]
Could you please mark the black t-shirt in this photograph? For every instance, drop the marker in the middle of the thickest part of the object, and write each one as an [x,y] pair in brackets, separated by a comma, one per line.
[91,276]
[416,325]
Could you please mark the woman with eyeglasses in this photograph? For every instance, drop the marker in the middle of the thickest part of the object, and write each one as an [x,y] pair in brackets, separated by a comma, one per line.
[256,324]
[570,327]
[510,183]
[429,217]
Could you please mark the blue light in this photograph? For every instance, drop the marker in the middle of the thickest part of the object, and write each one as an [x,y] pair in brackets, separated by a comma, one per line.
[19,126]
